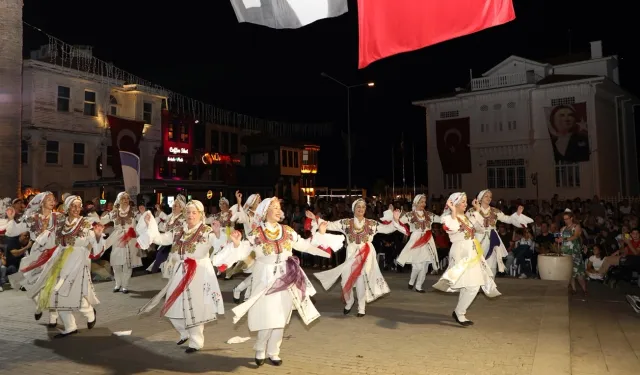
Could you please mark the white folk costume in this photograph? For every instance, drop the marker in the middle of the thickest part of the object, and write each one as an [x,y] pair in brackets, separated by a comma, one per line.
[167,223]
[245,216]
[420,250]
[65,283]
[125,256]
[492,246]
[224,217]
[360,269]
[192,294]
[278,284]
[42,231]
[467,271]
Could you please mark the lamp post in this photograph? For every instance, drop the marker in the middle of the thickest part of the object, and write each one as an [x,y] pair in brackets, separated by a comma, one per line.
[348,87]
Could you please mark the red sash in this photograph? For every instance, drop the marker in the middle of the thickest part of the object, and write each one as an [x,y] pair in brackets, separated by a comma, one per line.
[422,240]
[356,270]
[190,271]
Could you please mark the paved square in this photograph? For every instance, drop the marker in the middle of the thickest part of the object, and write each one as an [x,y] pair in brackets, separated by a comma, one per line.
[529,330]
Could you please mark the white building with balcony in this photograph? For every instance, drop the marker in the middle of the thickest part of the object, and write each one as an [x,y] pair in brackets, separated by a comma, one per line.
[65,135]
[513,114]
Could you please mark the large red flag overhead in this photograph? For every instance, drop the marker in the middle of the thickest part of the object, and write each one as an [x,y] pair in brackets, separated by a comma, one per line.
[389,27]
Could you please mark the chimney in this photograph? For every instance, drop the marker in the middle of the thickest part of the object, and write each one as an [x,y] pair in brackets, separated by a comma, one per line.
[596,49]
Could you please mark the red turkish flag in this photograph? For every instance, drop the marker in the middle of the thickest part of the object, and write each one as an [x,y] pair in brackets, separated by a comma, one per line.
[389,27]
[125,136]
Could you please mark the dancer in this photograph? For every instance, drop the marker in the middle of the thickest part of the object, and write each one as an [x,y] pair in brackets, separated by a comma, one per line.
[468,270]
[360,269]
[224,217]
[65,283]
[42,223]
[167,223]
[245,215]
[279,285]
[420,250]
[492,246]
[124,254]
[193,294]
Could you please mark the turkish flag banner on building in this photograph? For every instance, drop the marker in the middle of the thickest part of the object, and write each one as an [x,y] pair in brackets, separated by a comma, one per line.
[389,27]
[453,138]
[125,136]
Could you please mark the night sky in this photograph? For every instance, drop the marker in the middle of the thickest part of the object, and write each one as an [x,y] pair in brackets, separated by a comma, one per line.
[200,50]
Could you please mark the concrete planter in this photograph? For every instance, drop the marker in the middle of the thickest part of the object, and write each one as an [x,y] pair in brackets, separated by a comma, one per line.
[555,267]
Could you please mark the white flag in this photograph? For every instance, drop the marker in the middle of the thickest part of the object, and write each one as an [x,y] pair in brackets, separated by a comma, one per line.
[287,14]
[130,173]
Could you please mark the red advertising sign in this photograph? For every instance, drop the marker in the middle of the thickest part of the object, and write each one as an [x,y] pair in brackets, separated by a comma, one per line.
[177,136]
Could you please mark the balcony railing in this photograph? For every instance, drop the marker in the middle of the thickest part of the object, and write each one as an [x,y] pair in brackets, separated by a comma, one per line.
[504,80]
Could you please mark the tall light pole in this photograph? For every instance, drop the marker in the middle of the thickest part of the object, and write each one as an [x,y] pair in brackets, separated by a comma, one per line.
[348,87]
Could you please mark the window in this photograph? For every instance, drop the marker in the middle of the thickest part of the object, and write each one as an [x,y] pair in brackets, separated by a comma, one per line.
[224,147]
[215,141]
[113,106]
[24,151]
[305,157]
[234,143]
[89,103]
[52,150]
[163,104]
[496,107]
[563,101]
[296,161]
[449,114]
[511,105]
[184,133]
[506,174]
[500,125]
[567,174]
[64,98]
[484,108]
[78,154]
[109,155]
[453,181]
[290,153]
[171,131]
[512,125]
[284,158]
[147,110]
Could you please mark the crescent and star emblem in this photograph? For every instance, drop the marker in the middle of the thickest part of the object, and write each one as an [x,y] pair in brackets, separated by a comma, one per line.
[122,134]
[454,132]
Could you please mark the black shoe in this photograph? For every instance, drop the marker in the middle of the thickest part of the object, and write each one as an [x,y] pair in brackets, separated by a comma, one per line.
[464,324]
[360,315]
[275,362]
[236,300]
[190,350]
[346,312]
[125,291]
[116,290]
[420,291]
[23,289]
[259,362]
[37,315]
[409,286]
[95,319]
[182,341]
[52,325]
[63,335]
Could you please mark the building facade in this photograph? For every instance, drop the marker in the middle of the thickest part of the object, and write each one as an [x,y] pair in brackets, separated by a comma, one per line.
[530,129]
[65,131]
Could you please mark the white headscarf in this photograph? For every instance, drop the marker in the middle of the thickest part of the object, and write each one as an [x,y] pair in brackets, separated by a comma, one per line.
[416,200]
[199,206]
[223,200]
[263,207]
[116,204]
[69,200]
[34,206]
[181,201]
[455,198]
[65,196]
[481,195]
[353,205]
[250,201]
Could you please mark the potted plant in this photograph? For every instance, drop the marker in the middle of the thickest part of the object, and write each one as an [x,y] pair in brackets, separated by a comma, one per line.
[553,265]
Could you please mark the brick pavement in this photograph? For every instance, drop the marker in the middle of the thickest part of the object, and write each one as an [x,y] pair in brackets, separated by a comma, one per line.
[526,331]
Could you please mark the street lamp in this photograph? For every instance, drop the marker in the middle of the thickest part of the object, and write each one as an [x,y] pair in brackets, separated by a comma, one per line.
[369,84]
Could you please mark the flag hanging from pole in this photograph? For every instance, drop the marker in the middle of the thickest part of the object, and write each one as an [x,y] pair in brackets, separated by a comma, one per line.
[130,172]
[287,14]
[389,27]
